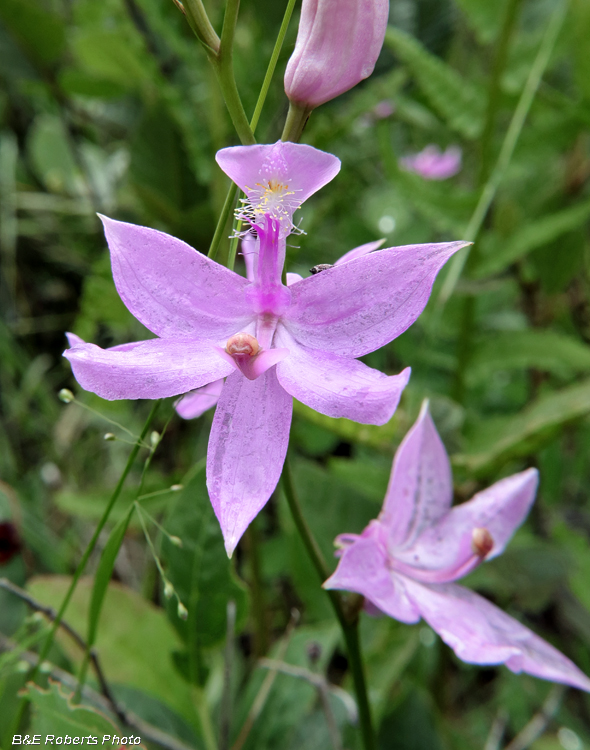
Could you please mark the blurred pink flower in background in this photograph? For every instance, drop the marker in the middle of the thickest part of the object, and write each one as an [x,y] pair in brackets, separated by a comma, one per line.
[434,164]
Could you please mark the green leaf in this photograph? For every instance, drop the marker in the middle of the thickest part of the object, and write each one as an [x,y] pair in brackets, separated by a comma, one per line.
[39,32]
[200,571]
[51,155]
[109,56]
[135,640]
[104,572]
[459,101]
[533,235]
[495,441]
[484,17]
[53,714]
[411,725]
[543,350]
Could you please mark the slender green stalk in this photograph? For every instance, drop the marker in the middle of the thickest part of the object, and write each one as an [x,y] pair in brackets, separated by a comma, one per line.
[199,22]
[88,551]
[349,626]
[511,139]
[494,88]
[224,67]
[296,121]
[226,211]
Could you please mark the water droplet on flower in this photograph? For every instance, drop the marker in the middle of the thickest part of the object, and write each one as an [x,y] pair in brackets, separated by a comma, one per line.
[242,344]
[482,542]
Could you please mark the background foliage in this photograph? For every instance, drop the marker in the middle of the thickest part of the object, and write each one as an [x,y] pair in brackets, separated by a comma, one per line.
[111,106]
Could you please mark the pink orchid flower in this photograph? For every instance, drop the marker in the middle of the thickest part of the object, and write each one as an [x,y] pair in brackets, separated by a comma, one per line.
[197,402]
[406,561]
[338,43]
[434,164]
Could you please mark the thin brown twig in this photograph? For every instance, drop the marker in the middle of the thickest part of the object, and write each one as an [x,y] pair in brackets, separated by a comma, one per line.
[51,614]
[265,688]
[540,721]
[145,730]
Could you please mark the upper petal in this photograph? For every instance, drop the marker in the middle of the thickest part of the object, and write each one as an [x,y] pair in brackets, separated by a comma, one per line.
[420,488]
[302,168]
[363,568]
[156,368]
[247,448]
[171,288]
[444,551]
[480,633]
[357,307]
[338,386]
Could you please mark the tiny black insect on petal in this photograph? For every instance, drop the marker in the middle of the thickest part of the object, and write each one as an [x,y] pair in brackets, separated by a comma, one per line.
[9,542]
[320,267]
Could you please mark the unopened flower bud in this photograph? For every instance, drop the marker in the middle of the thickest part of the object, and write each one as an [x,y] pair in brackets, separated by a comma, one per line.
[182,611]
[176,487]
[154,438]
[482,542]
[168,590]
[109,436]
[176,541]
[66,396]
[242,344]
[337,45]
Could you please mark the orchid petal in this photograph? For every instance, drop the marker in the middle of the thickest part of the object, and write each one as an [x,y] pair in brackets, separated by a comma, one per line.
[175,291]
[480,633]
[293,278]
[357,307]
[363,569]
[197,402]
[444,551]
[247,448]
[359,251]
[156,368]
[420,488]
[302,168]
[338,386]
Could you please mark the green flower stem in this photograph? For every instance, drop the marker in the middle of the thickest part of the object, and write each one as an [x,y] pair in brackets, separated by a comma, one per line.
[296,121]
[198,20]
[511,139]
[232,192]
[224,68]
[348,619]
[87,552]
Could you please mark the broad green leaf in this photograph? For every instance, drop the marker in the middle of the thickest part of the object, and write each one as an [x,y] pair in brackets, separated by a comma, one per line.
[459,101]
[134,641]
[51,156]
[484,17]
[109,56]
[495,441]
[54,714]
[39,32]
[104,572]
[534,235]
[580,33]
[543,350]
[200,571]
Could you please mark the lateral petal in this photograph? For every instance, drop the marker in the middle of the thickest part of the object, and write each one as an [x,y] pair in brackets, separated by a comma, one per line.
[444,551]
[338,386]
[420,489]
[156,368]
[247,448]
[197,402]
[175,291]
[481,633]
[359,251]
[361,305]
[363,569]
